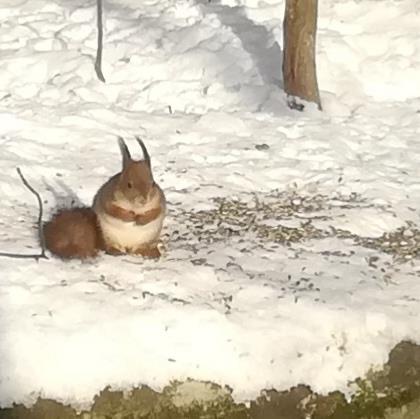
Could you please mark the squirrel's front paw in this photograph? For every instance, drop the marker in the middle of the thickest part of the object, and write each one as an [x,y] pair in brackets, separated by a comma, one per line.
[148,216]
[151,252]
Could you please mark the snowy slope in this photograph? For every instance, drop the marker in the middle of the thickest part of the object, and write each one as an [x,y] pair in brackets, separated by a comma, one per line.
[291,238]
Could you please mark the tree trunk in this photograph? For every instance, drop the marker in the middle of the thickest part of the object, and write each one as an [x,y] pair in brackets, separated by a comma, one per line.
[299,67]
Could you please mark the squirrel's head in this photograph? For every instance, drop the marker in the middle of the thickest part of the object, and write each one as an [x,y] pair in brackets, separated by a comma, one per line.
[135,182]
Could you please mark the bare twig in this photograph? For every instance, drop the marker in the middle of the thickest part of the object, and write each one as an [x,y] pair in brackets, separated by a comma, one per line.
[99,24]
[40,213]
[35,256]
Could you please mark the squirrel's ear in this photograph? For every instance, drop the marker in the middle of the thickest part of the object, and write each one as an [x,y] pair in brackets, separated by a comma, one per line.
[124,151]
[146,156]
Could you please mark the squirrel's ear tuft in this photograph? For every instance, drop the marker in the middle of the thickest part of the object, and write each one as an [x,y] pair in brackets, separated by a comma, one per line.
[146,155]
[124,151]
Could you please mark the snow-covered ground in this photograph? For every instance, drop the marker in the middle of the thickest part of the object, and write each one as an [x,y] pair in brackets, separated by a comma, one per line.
[291,237]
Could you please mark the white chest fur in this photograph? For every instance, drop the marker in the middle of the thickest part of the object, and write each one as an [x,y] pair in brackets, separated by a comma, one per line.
[129,236]
[123,235]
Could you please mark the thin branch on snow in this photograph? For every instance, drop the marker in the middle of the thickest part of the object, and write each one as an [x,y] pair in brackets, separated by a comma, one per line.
[99,23]
[35,256]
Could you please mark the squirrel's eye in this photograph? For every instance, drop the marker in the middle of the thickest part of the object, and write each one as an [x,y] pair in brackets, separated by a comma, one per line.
[129,185]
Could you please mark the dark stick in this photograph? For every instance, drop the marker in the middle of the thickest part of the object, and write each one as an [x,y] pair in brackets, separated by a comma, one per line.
[98,62]
[37,256]
[40,214]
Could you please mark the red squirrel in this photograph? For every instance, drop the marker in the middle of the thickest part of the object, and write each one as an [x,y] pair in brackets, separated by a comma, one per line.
[126,217]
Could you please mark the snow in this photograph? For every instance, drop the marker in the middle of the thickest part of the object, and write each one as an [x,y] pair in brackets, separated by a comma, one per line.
[200,82]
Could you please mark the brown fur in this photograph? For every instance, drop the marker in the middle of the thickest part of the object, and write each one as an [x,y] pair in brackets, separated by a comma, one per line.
[151,252]
[118,212]
[130,216]
[134,184]
[131,195]
[148,216]
[73,233]
[139,175]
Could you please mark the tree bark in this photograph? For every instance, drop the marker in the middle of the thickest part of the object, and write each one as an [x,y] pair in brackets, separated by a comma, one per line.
[299,63]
